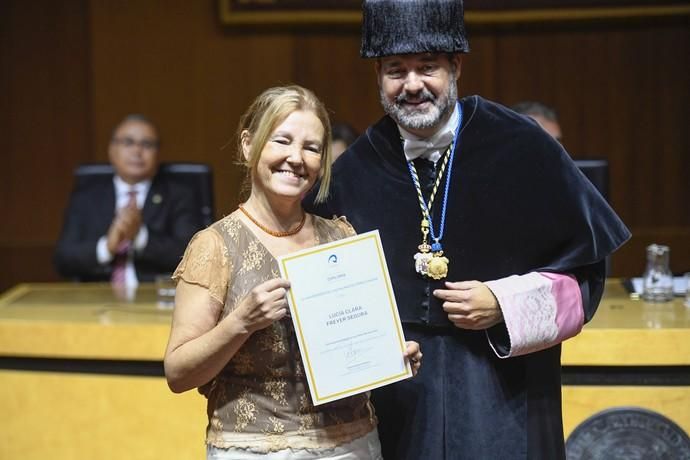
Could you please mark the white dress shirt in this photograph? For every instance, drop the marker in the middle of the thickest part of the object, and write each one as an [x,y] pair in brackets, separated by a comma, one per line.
[122,195]
[430,148]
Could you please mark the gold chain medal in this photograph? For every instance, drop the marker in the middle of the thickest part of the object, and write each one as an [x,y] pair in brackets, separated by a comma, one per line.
[422,258]
[430,261]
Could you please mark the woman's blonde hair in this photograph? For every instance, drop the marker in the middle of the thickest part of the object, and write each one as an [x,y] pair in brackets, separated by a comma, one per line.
[270,109]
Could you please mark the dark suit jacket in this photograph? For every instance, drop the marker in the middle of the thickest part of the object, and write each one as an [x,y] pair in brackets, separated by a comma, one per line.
[169,213]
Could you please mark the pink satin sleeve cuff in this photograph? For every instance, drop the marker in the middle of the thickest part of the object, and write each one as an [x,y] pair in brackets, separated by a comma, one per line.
[540,310]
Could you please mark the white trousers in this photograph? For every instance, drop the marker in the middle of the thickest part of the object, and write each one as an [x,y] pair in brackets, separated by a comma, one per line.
[365,448]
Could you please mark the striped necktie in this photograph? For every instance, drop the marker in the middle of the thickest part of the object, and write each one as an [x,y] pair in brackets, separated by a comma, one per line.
[117,277]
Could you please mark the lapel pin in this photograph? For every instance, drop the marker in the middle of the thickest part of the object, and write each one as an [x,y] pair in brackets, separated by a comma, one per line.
[156,199]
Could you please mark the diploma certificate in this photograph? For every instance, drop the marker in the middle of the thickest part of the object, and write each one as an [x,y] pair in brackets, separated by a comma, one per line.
[345,317]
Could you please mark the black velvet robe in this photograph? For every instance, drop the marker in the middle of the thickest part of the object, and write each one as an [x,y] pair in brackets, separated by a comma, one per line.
[516,204]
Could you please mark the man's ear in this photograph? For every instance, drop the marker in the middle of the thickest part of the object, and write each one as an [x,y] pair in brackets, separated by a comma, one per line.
[245,139]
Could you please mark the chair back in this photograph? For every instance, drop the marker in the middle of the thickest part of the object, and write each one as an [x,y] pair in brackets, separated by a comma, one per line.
[597,171]
[197,176]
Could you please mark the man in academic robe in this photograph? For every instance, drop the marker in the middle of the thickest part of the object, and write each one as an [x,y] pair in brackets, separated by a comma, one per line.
[130,226]
[494,241]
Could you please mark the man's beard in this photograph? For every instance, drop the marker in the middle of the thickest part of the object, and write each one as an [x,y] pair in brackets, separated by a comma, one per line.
[411,119]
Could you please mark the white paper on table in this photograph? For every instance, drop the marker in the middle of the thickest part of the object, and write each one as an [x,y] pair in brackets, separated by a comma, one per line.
[345,317]
[679,285]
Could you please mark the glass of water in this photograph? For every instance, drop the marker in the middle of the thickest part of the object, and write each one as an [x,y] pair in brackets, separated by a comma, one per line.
[165,291]
[657,281]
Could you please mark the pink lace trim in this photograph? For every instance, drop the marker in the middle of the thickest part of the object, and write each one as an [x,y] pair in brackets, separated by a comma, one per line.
[540,310]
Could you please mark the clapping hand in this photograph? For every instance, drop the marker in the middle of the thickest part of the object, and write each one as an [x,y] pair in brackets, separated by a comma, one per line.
[124,227]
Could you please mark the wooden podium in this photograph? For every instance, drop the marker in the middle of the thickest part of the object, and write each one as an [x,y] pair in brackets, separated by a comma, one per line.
[82,377]
[632,353]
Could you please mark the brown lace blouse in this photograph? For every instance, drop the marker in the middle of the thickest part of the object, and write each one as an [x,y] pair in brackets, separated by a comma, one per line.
[260,400]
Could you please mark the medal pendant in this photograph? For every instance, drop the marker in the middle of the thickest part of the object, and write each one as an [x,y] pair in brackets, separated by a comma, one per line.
[421,262]
[437,266]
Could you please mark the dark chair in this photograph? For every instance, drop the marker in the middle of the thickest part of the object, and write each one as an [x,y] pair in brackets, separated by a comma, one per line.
[197,176]
[597,171]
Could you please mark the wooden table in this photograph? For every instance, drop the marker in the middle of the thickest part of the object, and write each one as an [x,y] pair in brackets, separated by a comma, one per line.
[82,377]
[633,353]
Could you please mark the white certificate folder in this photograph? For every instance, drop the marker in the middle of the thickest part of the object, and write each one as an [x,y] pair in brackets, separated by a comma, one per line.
[345,317]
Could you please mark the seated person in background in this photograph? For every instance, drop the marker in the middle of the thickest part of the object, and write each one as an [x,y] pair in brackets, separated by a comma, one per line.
[133,225]
[343,135]
[542,114]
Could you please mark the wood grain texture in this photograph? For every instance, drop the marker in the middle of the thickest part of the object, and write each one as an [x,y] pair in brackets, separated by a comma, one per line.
[66,321]
[108,417]
[631,332]
[71,70]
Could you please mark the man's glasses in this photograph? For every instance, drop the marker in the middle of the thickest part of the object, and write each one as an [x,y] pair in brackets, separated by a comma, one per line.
[128,142]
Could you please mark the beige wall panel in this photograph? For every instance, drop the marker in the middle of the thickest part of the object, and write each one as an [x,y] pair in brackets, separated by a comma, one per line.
[75,416]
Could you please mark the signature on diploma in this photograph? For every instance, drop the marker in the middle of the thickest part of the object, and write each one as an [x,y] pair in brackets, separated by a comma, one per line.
[353,354]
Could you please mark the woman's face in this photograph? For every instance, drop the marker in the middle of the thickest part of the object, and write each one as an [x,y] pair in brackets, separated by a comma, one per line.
[291,159]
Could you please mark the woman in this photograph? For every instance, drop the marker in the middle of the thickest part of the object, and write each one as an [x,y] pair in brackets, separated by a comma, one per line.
[231,336]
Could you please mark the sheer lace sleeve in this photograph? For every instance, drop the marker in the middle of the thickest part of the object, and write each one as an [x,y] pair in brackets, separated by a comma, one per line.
[345,226]
[205,263]
[332,229]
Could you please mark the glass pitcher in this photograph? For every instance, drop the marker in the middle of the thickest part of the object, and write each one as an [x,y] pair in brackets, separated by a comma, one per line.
[657,281]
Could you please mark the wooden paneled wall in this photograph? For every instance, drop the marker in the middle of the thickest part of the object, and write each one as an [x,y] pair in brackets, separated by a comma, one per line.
[45,117]
[70,70]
